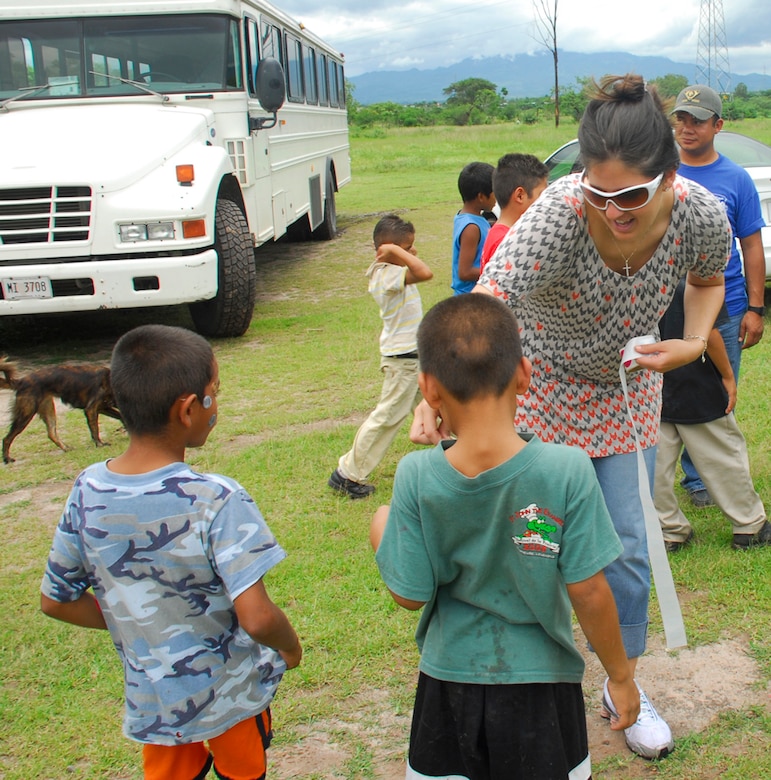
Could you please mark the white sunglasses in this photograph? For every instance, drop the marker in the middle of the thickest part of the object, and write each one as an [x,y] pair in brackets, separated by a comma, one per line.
[628,199]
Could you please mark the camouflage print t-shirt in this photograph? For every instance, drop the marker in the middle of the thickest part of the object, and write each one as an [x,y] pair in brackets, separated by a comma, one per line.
[166,553]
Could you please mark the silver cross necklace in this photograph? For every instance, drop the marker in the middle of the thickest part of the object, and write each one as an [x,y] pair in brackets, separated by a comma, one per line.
[627,268]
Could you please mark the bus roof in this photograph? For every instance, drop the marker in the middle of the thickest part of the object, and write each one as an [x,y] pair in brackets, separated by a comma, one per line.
[53,9]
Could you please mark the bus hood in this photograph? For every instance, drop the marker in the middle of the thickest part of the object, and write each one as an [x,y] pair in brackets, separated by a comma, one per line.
[106,146]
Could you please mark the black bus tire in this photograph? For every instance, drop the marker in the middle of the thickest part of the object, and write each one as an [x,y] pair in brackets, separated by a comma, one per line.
[327,230]
[229,313]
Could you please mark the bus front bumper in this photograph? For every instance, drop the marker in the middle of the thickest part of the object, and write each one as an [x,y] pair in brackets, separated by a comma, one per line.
[107,284]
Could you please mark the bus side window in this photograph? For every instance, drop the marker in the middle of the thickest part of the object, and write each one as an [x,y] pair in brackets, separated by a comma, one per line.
[309,73]
[341,85]
[252,52]
[321,70]
[294,69]
[271,42]
[334,92]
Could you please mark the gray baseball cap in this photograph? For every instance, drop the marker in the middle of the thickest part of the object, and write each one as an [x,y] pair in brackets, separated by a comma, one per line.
[700,100]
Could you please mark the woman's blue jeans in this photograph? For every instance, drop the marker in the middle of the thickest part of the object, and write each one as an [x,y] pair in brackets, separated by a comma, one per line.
[629,575]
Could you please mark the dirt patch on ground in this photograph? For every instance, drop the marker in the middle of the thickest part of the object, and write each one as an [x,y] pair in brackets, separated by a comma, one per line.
[690,688]
[367,736]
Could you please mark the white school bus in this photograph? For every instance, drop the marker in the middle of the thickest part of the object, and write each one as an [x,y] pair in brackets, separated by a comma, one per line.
[148,147]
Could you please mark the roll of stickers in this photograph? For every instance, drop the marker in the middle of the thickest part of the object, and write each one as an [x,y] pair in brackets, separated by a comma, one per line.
[629,353]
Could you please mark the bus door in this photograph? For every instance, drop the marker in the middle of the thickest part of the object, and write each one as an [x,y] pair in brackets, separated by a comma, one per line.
[260,198]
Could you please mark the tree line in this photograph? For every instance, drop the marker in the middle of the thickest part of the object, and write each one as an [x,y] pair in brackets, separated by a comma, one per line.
[476,101]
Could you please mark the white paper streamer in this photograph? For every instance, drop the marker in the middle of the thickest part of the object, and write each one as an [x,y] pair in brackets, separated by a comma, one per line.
[671,616]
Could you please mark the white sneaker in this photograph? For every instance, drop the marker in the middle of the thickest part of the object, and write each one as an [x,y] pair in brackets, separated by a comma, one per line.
[650,736]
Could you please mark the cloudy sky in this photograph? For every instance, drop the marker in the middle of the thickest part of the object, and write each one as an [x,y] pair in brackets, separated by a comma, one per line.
[386,35]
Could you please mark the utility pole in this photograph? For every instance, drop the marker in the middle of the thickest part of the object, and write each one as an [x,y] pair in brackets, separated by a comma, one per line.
[712,66]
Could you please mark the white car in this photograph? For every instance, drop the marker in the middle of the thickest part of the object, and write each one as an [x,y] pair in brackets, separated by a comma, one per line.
[752,155]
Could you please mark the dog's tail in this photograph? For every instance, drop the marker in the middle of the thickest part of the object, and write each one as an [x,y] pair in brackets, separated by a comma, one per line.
[8,369]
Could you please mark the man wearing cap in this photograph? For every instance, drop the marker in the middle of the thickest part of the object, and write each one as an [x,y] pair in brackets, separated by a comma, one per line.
[698,119]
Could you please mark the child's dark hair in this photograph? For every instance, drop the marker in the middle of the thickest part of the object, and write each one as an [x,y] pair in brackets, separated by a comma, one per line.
[517,170]
[154,365]
[627,120]
[470,343]
[392,229]
[476,177]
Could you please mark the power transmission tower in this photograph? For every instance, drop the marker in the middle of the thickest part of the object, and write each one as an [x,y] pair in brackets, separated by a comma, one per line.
[712,66]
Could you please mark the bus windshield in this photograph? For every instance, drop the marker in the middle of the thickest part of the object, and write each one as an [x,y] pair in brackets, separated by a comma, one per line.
[99,56]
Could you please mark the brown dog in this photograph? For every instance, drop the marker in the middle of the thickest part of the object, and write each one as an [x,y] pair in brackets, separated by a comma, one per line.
[85,387]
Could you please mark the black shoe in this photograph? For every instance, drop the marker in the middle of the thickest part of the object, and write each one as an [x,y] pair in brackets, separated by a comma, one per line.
[761,539]
[351,489]
[673,547]
[701,498]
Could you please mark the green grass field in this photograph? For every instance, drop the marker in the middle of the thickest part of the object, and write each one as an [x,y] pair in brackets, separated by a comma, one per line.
[294,390]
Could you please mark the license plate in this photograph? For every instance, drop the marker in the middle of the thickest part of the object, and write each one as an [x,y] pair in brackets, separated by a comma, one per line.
[27,287]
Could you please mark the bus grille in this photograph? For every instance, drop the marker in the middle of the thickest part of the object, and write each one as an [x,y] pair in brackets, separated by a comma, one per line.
[45,215]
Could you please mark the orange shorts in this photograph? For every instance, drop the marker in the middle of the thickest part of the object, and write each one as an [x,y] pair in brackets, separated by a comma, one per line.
[238,754]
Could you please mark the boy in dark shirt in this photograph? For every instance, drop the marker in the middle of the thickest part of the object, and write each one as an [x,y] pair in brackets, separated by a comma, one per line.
[697,412]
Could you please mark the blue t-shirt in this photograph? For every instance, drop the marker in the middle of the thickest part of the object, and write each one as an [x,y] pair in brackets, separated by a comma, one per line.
[166,553]
[734,188]
[462,221]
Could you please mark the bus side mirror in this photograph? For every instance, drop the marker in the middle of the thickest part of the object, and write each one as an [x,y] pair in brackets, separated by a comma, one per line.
[271,91]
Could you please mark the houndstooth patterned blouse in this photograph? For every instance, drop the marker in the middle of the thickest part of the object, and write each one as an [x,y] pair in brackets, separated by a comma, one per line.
[575,314]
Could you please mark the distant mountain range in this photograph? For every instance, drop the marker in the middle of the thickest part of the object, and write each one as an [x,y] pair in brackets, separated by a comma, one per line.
[523,75]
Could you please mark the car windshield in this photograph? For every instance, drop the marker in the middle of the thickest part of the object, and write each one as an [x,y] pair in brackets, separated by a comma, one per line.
[564,161]
[101,56]
[743,150]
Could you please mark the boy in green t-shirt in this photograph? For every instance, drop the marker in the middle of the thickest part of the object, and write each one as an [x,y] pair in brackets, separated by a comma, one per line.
[497,537]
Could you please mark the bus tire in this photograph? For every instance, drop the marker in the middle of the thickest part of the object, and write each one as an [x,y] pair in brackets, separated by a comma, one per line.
[327,230]
[229,313]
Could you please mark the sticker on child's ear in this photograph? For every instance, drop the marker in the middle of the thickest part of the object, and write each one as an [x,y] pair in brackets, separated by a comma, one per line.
[207,402]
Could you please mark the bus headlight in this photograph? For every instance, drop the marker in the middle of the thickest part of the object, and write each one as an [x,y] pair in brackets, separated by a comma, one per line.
[152,231]
[160,231]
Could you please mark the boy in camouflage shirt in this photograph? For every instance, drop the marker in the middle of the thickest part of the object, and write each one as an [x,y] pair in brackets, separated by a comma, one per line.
[171,562]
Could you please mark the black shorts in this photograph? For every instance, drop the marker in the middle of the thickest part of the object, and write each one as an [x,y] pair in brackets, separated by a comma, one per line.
[533,731]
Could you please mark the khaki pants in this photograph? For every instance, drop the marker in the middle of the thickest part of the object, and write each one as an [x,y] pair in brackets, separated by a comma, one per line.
[719,452]
[377,432]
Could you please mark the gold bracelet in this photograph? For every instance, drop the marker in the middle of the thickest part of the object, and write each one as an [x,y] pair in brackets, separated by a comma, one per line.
[703,341]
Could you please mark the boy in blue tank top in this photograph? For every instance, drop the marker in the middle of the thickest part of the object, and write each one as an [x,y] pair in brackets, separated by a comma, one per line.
[495,538]
[470,226]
